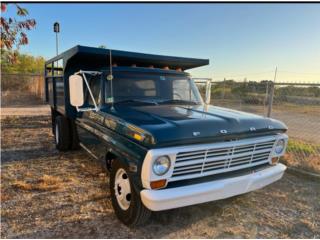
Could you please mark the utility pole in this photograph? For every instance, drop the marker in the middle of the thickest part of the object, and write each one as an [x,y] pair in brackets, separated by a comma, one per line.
[56,29]
[275,75]
[272,93]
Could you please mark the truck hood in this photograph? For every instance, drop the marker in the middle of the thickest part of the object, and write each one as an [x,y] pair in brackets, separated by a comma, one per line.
[179,124]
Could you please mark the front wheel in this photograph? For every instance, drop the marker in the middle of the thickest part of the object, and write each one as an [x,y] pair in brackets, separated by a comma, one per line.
[126,200]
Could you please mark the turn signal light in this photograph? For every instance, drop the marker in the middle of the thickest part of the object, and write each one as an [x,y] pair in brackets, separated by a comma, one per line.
[158,184]
[137,137]
[274,160]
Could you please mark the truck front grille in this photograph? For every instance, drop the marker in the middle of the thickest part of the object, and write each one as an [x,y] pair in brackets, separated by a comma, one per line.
[193,164]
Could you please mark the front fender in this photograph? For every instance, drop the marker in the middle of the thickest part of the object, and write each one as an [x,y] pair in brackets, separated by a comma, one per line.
[129,152]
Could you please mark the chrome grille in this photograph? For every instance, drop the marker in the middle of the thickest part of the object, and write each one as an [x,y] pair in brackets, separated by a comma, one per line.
[192,164]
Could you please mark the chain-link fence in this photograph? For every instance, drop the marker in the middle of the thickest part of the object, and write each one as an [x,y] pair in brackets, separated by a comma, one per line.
[31,83]
[296,104]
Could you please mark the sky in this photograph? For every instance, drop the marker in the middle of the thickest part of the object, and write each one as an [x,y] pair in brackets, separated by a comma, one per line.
[241,40]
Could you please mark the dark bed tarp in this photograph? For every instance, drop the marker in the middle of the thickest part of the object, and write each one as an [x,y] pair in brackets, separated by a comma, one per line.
[99,57]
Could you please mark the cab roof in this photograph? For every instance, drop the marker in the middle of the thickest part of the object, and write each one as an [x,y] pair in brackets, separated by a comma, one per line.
[100,56]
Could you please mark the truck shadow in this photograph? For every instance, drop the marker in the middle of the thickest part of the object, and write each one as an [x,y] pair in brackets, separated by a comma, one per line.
[26,138]
[25,154]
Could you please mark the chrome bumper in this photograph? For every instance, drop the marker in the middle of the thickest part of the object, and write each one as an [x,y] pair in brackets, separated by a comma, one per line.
[157,200]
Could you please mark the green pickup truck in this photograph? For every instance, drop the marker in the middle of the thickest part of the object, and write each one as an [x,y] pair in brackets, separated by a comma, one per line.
[143,116]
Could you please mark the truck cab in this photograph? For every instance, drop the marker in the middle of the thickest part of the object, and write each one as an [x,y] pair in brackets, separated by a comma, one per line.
[165,147]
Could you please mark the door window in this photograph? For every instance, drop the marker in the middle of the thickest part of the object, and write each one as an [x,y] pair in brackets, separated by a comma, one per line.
[94,84]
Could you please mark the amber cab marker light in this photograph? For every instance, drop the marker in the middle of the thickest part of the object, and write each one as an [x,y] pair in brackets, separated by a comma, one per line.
[137,137]
[158,184]
[274,160]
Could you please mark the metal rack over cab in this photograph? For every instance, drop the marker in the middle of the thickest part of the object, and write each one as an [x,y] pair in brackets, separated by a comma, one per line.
[143,116]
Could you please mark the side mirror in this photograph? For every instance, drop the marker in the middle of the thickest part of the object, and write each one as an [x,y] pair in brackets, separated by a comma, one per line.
[76,90]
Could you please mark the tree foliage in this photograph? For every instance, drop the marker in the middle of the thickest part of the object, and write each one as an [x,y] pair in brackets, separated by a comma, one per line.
[13,31]
[24,63]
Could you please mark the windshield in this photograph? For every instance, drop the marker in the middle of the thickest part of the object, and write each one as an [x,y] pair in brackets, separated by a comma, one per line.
[152,89]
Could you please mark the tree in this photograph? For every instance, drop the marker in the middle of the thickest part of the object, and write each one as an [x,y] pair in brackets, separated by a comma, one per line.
[102,46]
[24,63]
[13,31]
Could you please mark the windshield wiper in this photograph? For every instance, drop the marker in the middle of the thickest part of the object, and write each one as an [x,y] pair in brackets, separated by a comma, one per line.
[135,101]
[178,101]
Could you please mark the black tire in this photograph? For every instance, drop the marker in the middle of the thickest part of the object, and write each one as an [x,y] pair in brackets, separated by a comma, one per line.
[62,133]
[53,120]
[74,136]
[137,213]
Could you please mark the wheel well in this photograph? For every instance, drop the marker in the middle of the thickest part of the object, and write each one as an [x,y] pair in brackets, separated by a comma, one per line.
[109,158]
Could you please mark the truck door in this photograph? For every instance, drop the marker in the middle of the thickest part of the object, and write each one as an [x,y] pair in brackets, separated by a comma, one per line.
[90,122]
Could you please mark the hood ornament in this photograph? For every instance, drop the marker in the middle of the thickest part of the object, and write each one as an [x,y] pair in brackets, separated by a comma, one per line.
[223,131]
[252,129]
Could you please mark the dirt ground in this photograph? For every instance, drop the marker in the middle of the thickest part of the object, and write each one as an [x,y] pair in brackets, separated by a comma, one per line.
[47,194]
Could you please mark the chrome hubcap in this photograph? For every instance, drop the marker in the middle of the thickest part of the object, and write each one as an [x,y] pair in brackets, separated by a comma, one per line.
[122,189]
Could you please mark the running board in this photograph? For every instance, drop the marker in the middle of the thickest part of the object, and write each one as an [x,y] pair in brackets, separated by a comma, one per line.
[88,151]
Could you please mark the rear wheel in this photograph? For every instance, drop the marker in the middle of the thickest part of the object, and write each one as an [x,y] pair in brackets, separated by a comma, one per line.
[53,120]
[74,135]
[62,133]
[126,200]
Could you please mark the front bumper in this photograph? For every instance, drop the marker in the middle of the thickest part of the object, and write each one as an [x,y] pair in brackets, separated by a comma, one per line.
[157,200]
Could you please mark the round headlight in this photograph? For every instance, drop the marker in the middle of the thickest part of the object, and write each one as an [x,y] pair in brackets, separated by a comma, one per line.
[279,146]
[161,165]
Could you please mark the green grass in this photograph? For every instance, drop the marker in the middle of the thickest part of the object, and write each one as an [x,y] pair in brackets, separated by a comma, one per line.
[298,147]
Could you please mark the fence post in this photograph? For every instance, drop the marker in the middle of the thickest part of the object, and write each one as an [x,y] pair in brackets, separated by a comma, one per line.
[208,91]
[270,98]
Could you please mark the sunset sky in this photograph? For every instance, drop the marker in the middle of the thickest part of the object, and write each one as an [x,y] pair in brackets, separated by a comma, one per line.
[241,40]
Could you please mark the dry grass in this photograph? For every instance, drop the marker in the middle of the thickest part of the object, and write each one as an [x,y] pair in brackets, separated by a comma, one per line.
[22,185]
[79,205]
[303,155]
[310,163]
[45,183]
